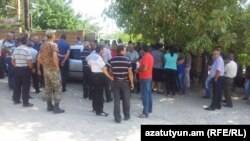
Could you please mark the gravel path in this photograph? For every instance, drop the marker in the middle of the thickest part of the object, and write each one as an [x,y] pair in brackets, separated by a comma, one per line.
[80,124]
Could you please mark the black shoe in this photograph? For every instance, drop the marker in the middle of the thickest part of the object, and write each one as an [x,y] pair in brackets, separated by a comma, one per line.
[118,120]
[102,114]
[38,91]
[85,96]
[219,107]
[127,118]
[64,90]
[109,100]
[27,105]
[245,98]
[224,101]
[228,105]
[50,106]
[57,110]
[17,102]
[210,109]
[206,97]
[143,116]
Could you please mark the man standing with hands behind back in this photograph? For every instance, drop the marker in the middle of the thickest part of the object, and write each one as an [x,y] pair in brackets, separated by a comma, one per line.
[64,51]
[22,62]
[121,75]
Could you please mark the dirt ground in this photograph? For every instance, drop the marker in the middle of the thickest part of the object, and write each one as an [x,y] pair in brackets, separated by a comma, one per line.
[78,123]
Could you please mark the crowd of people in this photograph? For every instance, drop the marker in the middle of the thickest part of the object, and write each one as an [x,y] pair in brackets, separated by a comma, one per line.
[116,69]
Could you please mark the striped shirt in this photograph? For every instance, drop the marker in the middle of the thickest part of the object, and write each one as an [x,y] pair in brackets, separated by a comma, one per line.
[84,55]
[119,66]
[21,55]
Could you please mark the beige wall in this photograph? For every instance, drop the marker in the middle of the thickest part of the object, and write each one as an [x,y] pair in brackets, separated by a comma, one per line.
[70,35]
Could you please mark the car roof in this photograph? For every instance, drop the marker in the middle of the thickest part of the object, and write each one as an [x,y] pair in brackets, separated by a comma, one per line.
[77,47]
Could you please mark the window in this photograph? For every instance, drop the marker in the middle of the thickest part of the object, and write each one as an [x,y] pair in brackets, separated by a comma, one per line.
[75,54]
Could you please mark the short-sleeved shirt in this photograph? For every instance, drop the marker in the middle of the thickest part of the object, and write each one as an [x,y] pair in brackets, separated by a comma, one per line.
[231,69]
[218,64]
[148,60]
[33,54]
[37,46]
[46,52]
[96,62]
[133,56]
[63,47]
[107,54]
[21,55]
[158,59]
[120,65]
[170,61]
[10,46]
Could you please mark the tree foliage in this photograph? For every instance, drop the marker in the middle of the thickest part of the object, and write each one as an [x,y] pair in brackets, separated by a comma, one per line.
[56,14]
[51,14]
[5,11]
[196,24]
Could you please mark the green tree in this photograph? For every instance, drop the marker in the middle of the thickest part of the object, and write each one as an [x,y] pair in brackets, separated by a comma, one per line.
[6,11]
[55,14]
[194,24]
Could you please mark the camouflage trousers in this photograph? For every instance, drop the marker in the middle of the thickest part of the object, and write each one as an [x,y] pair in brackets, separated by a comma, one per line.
[53,85]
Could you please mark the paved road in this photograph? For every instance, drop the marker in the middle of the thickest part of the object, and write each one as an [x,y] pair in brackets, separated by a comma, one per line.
[80,124]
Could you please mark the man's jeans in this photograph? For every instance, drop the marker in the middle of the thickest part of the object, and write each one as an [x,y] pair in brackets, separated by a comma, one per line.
[208,86]
[10,72]
[146,91]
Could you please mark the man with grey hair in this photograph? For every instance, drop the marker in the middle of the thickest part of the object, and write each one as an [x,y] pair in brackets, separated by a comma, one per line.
[8,48]
[96,63]
[217,74]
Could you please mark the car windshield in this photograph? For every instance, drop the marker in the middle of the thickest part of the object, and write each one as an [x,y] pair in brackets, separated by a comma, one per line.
[75,54]
[75,51]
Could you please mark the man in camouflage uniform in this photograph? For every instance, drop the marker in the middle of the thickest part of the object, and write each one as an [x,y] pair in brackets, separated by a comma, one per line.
[48,57]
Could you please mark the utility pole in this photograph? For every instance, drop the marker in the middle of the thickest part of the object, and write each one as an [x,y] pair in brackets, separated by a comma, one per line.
[26,15]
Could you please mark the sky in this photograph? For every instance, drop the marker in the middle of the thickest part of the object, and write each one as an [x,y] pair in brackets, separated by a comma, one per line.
[94,9]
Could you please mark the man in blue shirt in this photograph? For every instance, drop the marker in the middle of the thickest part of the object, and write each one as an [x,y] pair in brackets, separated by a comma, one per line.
[37,45]
[217,75]
[8,47]
[64,51]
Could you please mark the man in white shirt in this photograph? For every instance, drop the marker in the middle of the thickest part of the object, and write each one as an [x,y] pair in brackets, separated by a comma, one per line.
[230,73]
[96,63]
